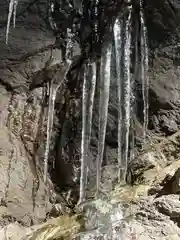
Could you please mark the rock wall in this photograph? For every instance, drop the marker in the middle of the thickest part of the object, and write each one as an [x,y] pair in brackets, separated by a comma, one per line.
[26,54]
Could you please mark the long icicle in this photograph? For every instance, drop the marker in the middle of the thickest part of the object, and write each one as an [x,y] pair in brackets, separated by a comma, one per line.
[118,53]
[52,96]
[89,86]
[53,88]
[105,74]
[10,13]
[144,70]
[127,87]
[14,13]
[83,141]
[133,92]
[91,94]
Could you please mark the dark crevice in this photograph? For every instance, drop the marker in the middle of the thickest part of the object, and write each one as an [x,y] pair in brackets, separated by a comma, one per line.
[7,85]
[174,216]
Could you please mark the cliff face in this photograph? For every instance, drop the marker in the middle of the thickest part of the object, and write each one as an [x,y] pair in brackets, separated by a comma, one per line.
[23,129]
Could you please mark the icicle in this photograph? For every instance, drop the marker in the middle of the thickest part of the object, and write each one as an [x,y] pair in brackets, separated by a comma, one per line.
[105,73]
[93,86]
[118,53]
[14,13]
[136,69]
[144,69]
[127,87]
[83,142]
[133,95]
[91,94]
[11,7]
[89,86]
[52,96]
[53,88]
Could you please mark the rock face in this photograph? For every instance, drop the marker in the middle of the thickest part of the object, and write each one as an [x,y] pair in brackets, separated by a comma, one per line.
[25,54]
[23,130]
[23,114]
[19,125]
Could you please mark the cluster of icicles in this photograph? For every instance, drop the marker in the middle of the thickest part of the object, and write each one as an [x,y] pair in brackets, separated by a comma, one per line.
[122,41]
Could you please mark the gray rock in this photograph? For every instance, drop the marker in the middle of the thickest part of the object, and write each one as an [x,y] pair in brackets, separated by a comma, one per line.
[17,170]
[27,52]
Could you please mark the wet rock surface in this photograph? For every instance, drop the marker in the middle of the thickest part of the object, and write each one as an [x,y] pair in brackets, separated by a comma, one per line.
[20,109]
[154,199]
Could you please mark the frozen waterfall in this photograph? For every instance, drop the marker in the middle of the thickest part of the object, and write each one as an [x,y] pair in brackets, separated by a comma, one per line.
[125,95]
[122,41]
